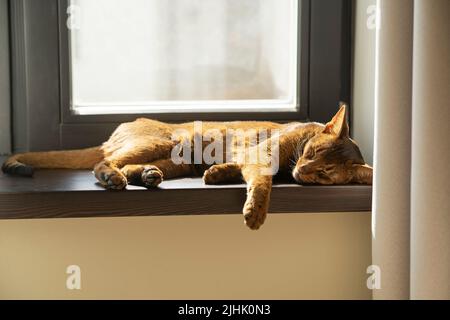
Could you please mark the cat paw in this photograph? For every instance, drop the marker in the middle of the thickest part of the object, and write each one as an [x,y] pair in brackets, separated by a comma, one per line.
[151,176]
[113,180]
[213,175]
[254,214]
[109,177]
[223,173]
[256,206]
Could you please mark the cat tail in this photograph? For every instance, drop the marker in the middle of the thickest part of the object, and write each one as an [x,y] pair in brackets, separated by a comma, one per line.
[23,164]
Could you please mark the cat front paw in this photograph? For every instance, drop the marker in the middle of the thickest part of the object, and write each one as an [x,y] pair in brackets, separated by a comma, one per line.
[152,176]
[254,215]
[213,175]
[223,173]
[257,205]
[255,209]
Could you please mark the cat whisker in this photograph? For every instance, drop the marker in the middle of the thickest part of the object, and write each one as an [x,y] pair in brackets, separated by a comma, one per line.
[298,153]
[299,150]
[293,163]
[292,166]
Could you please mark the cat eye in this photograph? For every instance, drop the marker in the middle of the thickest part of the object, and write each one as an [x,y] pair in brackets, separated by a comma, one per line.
[310,153]
[320,150]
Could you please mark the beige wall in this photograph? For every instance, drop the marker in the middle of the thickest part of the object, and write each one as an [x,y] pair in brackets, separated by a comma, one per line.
[294,256]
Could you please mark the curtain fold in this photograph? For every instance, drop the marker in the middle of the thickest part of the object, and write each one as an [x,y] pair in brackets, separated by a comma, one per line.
[392,157]
[430,175]
[411,212]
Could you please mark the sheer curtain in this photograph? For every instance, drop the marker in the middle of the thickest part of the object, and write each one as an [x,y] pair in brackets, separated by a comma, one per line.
[5,130]
[411,209]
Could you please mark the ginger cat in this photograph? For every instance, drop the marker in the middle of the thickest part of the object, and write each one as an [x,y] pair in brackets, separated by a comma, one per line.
[141,153]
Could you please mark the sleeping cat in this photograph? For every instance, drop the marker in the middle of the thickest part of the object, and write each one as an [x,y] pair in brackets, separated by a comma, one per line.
[141,153]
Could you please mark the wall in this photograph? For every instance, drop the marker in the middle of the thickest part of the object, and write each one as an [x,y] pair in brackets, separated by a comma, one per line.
[296,256]
[364,79]
[5,129]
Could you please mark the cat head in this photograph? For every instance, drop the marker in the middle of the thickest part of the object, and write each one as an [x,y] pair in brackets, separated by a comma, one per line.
[332,157]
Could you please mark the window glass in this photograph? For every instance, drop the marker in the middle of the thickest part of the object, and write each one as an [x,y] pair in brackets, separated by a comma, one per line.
[132,56]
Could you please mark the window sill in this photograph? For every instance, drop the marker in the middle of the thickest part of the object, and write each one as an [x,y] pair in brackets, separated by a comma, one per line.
[75,194]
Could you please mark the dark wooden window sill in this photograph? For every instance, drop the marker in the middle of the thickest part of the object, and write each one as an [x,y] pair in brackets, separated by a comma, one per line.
[70,194]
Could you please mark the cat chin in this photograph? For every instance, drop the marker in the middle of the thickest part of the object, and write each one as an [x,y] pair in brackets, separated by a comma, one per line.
[305,180]
[296,176]
[302,181]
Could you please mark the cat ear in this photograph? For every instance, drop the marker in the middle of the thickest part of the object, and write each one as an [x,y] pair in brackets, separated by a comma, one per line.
[362,174]
[339,125]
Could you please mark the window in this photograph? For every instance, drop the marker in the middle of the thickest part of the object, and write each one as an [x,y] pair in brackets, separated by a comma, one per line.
[140,56]
[81,67]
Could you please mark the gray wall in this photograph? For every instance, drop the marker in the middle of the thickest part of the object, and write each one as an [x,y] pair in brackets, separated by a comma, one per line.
[5,128]
[364,80]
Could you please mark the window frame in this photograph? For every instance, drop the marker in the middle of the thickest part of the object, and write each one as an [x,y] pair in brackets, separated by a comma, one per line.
[42,116]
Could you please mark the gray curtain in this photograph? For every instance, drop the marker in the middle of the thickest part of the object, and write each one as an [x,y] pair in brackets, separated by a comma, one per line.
[411,208]
[5,130]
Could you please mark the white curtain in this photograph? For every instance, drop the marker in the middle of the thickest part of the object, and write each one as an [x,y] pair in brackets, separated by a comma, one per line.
[411,220]
[5,130]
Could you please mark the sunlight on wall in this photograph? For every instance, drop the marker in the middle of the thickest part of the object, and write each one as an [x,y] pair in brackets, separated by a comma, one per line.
[364,78]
